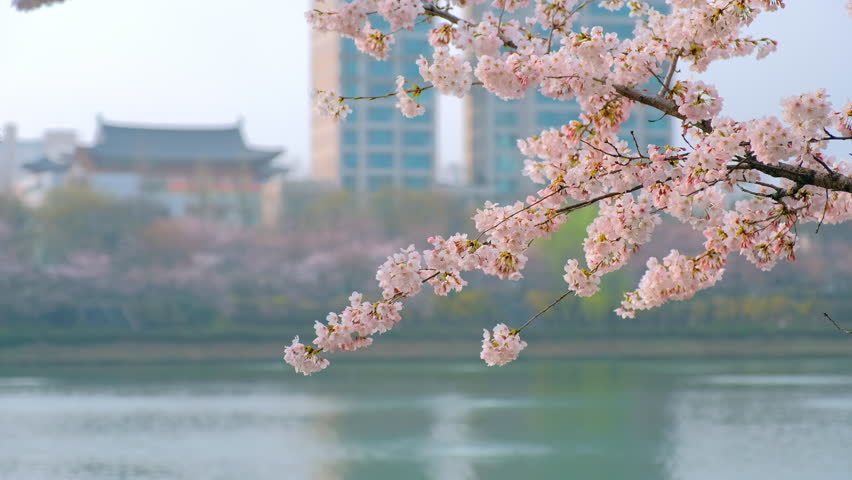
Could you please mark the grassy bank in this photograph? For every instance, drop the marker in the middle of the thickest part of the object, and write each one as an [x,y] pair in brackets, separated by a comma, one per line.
[260,350]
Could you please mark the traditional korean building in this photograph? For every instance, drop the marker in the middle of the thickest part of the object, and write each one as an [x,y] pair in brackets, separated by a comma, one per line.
[202,172]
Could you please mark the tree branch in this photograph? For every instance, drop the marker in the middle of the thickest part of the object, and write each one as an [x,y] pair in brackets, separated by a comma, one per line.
[838,327]
[543,311]
[801,175]
[666,106]
[668,81]
[576,206]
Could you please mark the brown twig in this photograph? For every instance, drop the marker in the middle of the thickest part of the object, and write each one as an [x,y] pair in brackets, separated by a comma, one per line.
[838,327]
[543,311]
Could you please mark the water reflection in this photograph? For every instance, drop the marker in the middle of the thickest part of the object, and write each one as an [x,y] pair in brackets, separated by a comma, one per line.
[432,421]
[450,436]
[762,426]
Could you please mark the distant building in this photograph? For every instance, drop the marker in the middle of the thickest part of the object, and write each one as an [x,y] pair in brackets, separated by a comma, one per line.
[203,172]
[493,162]
[375,147]
[31,168]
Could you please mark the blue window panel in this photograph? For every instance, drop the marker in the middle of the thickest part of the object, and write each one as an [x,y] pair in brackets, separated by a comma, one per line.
[411,72]
[348,182]
[379,137]
[417,161]
[380,160]
[659,140]
[349,89]
[662,126]
[350,160]
[379,23]
[624,30]
[380,114]
[378,182]
[416,183]
[632,123]
[545,119]
[423,27]
[350,137]
[542,100]
[349,47]
[506,163]
[506,118]
[505,140]
[416,47]
[416,138]
[349,69]
[378,89]
[505,185]
[378,68]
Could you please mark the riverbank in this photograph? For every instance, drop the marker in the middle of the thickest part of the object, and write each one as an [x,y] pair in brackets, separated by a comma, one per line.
[147,352]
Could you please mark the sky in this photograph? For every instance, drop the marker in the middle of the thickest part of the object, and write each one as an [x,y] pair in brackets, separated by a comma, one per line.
[204,62]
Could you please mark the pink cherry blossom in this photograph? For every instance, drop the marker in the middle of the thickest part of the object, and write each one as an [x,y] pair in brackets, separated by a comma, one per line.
[400,274]
[697,100]
[329,104]
[400,13]
[450,74]
[502,346]
[405,103]
[746,185]
[374,43]
[304,359]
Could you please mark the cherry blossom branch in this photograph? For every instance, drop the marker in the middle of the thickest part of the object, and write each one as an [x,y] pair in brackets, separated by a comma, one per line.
[802,175]
[433,10]
[666,106]
[577,206]
[830,136]
[543,311]
[501,222]
[415,90]
[669,75]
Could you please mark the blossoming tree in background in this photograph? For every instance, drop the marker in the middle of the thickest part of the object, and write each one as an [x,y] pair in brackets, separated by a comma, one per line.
[746,184]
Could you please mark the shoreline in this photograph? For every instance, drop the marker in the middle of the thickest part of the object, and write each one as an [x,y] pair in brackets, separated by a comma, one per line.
[127,352]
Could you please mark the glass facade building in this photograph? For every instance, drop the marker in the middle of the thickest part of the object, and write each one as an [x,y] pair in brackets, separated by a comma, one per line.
[375,147]
[493,161]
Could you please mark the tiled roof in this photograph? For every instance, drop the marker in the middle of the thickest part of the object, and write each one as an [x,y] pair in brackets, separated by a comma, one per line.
[121,144]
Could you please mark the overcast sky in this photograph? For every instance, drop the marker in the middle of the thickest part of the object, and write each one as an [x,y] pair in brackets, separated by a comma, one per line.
[212,62]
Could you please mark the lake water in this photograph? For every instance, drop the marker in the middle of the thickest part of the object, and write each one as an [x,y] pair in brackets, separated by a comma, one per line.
[534,419]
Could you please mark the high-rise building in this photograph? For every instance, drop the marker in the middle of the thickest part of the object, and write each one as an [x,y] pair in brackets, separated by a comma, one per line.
[375,147]
[493,126]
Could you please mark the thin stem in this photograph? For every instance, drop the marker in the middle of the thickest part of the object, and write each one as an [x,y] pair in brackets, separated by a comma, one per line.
[543,311]
[576,206]
[838,327]
[824,211]
[821,162]
[519,211]
[664,90]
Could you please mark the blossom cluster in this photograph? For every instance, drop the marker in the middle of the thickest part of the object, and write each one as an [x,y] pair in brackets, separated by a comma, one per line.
[328,103]
[405,103]
[449,73]
[734,183]
[501,346]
